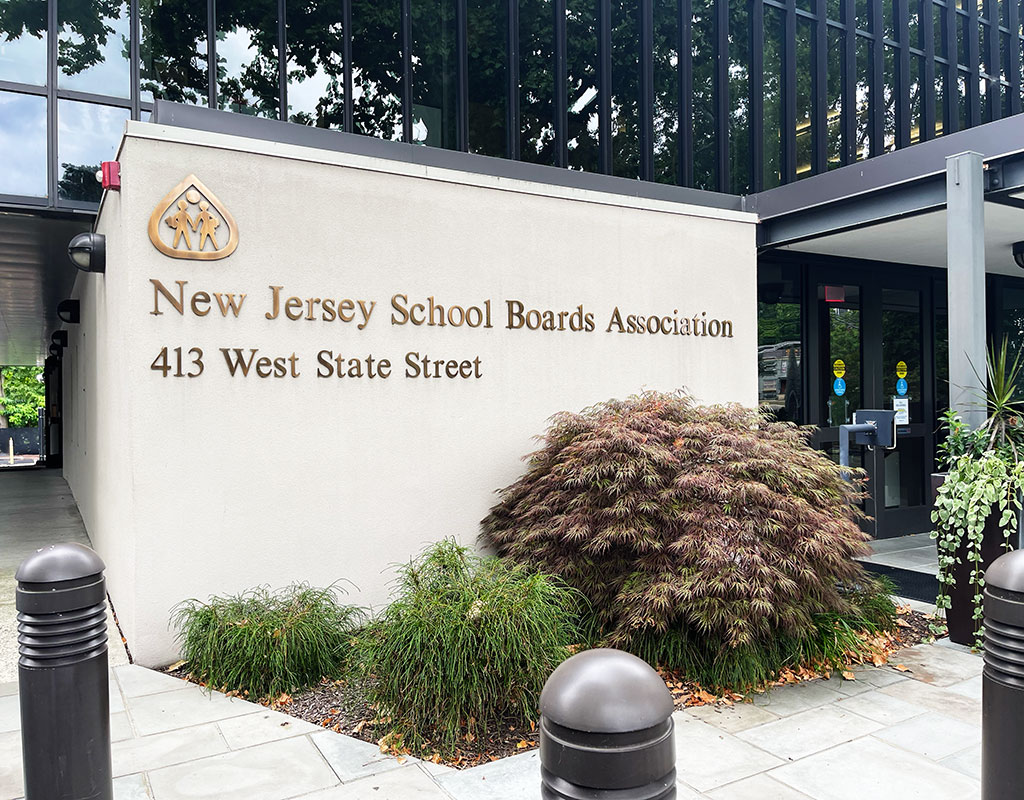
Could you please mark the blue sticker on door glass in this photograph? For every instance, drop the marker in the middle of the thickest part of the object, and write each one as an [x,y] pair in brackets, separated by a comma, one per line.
[901,386]
[839,387]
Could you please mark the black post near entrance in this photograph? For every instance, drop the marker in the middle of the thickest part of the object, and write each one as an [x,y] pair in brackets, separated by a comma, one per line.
[606,730]
[62,674]
[1002,695]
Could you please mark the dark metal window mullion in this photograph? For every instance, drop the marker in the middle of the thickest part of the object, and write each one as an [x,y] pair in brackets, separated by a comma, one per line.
[685,10]
[604,86]
[51,102]
[512,89]
[407,71]
[561,86]
[849,106]
[995,64]
[876,88]
[89,97]
[347,117]
[757,95]
[902,87]
[1015,56]
[951,124]
[819,107]
[928,86]
[211,53]
[646,106]
[461,76]
[974,65]
[25,88]
[721,88]
[134,36]
[282,59]
[788,122]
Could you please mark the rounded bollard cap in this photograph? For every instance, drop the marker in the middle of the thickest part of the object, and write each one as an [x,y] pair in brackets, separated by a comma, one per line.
[606,691]
[54,563]
[1007,572]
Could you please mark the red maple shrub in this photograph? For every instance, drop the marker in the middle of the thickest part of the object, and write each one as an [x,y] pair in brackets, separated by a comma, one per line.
[705,535]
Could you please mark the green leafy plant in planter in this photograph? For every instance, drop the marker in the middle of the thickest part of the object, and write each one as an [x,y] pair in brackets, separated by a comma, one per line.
[708,539]
[977,507]
[466,644]
[974,487]
[264,642]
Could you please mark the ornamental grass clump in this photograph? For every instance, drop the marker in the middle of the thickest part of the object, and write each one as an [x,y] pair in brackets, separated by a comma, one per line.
[465,646]
[266,642]
[708,539]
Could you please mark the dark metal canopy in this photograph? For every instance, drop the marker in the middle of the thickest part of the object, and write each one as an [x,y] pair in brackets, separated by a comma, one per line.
[893,208]
[35,275]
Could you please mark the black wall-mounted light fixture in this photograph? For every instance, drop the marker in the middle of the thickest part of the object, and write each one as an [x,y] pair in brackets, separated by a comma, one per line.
[56,351]
[88,252]
[59,338]
[1018,253]
[69,311]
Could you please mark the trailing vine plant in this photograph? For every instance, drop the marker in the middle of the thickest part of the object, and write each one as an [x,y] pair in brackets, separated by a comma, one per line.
[972,489]
[985,475]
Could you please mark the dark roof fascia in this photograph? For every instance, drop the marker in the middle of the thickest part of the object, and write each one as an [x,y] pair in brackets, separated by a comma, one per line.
[226,122]
[993,140]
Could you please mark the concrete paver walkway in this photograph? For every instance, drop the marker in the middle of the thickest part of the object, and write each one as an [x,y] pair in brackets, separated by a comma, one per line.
[887,734]
[915,552]
[36,509]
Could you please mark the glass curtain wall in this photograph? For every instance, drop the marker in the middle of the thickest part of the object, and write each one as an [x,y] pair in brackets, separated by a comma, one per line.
[728,95]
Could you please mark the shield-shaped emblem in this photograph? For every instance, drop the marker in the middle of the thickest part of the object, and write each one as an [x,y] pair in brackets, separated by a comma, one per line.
[190,222]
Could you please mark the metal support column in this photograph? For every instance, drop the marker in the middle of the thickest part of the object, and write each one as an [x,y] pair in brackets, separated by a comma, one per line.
[965,261]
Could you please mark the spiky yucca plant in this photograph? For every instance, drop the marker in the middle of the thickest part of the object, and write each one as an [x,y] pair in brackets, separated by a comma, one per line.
[689,524]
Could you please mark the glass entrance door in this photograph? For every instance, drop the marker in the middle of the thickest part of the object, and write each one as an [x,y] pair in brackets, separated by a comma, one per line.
[873,341]
[903,472]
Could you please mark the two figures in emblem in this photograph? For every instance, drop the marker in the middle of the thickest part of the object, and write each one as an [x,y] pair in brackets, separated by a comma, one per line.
[204,223]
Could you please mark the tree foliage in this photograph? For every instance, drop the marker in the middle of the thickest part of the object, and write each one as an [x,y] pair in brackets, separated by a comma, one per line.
[21,394]
[672,517]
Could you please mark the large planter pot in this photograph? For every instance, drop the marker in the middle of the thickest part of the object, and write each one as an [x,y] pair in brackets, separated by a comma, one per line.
[960,614]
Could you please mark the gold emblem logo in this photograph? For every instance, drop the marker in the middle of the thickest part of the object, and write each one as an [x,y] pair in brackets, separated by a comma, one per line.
[190,222]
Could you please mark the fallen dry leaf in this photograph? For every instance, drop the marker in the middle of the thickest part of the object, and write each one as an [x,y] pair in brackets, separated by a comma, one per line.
[848,676]
[902,668]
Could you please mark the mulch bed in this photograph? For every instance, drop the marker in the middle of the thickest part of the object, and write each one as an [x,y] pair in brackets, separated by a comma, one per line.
[340,706]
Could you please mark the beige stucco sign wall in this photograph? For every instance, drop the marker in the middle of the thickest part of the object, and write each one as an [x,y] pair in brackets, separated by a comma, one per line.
[368,365]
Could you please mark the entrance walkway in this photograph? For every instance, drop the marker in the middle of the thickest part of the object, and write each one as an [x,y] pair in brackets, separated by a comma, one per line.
[36,509]
[888,734]
[915,553]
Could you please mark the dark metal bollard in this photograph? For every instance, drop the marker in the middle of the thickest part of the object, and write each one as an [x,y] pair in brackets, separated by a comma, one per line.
[606,730]
[62,674]
[1002,697]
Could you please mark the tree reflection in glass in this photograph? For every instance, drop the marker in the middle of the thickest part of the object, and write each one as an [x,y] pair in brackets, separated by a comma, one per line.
[536,81]
[172,50]
[487,27]
[582,89]
[23,41]
[377,68]
[93,46]
[87,134]
[316,90]
[248,80]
